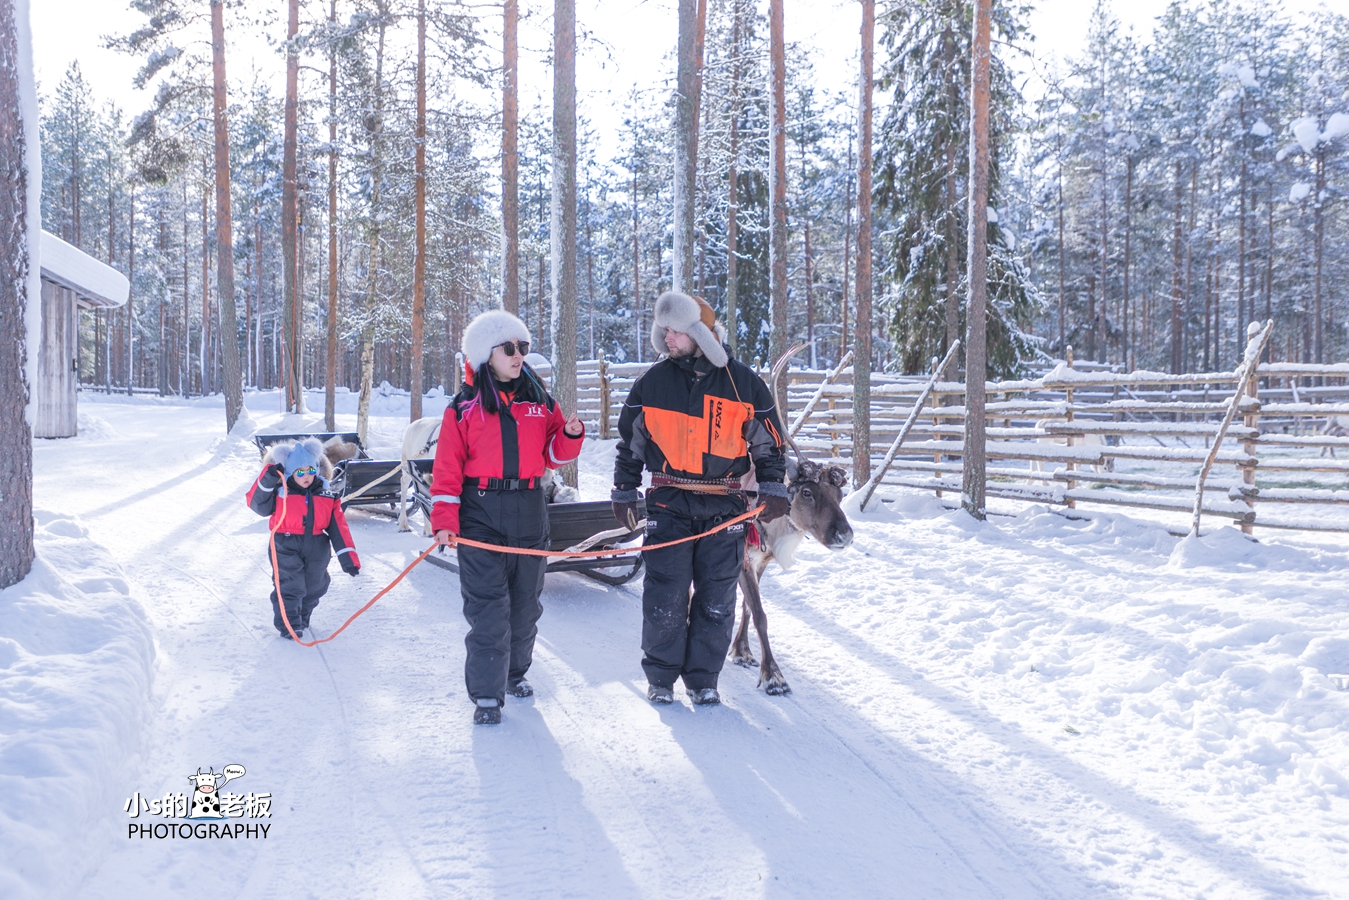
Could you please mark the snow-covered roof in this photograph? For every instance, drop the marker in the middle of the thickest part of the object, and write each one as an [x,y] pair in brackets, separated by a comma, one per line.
[94,283]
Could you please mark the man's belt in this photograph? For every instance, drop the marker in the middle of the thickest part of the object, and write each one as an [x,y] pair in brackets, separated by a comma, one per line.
[507,484]
[709,486]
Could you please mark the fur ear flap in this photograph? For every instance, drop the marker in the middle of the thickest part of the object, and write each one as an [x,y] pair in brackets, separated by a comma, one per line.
[278,453]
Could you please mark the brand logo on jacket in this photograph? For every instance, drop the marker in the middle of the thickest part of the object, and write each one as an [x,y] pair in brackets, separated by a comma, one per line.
[532,411]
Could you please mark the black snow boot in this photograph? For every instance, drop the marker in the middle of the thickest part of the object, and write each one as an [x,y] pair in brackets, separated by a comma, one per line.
[521,688]
[657,694]
[706,697]
[487,715]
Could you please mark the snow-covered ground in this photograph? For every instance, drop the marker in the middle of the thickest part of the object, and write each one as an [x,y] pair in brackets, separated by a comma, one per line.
[1030,707]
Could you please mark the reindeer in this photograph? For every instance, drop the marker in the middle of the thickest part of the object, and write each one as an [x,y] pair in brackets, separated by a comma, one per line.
[419,442]
[816,494]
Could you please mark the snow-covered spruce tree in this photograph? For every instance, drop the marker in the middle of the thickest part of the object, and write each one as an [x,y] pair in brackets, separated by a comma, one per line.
[920,162]
[1320,153]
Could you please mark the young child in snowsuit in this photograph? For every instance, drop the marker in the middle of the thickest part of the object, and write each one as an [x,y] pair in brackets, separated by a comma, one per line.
[497,437]
[293,490]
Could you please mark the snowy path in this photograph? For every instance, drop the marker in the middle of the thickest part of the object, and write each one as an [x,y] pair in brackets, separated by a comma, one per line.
[936,668]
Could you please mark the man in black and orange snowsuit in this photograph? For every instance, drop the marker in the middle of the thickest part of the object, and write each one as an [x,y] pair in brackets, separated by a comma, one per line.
[697,420]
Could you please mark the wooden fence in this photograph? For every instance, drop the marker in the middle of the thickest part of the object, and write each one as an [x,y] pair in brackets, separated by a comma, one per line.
[1087,436]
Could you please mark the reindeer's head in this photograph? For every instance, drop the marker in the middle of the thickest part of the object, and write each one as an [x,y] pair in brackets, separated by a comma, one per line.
[816,493]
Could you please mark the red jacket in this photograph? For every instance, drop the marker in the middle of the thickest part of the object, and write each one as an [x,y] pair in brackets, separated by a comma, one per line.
[471,450]
[315,511]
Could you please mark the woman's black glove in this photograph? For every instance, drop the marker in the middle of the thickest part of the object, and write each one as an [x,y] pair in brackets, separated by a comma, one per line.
[625,506]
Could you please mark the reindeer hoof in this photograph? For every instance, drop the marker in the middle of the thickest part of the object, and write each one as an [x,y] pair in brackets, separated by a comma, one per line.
[748,662]
[776,686]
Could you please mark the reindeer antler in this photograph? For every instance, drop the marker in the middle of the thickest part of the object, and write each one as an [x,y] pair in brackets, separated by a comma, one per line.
[778,368]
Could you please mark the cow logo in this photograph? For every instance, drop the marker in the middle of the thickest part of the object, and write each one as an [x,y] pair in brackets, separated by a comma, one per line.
[208,810]
[206,792]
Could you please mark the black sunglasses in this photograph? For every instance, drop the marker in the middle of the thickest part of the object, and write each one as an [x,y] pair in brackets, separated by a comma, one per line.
[509,347]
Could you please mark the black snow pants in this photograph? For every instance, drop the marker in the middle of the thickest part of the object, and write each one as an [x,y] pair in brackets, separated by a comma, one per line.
[501,591]
[683,636]
[302,560]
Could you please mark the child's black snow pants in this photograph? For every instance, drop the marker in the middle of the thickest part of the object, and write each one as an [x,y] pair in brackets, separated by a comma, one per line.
[682,636]
[302,560]
[501,591]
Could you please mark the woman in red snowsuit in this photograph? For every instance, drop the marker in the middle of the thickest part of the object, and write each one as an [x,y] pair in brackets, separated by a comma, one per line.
[497,437]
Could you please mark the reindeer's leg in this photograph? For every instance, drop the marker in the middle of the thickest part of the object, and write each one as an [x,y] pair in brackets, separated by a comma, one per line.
[403,484]
[741,654]
[770,676]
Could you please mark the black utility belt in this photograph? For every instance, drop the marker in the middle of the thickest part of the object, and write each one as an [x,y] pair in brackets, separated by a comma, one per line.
[507,484]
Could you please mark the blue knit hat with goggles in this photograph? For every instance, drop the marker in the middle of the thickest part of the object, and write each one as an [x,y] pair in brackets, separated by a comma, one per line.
[304,455]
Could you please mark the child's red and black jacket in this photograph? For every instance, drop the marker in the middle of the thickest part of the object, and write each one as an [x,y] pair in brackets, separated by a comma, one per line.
[480,449]
[313,511]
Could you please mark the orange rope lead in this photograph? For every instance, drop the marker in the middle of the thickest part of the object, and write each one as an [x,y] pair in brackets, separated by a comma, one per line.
[564,554]
[281,601]
[519,551]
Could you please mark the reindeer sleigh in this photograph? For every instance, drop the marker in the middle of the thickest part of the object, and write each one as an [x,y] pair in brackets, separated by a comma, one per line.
[356,478]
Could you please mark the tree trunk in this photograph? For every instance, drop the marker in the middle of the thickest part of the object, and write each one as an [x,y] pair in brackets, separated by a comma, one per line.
[636,262]
[1063,265]
[732,225]
[685,142]
[376,129]
[330,380]
[563,223]
[1128,222]
[847,254]
[1241,229]
[224,227]
[975,463]
[861,392]
[16,436]
[510,159]
[952,311]
[1319,231]
[777,202]
[419,261]
[1177,362]
[289,216]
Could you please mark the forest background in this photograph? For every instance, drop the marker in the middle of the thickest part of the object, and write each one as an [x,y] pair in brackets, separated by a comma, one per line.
[1151,191]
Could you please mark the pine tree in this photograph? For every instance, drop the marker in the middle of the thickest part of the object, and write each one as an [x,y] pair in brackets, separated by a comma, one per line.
[921,184]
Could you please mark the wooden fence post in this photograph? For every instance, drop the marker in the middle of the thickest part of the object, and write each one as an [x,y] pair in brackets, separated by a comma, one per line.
[1252,420]
[829,378]
[1245,372]
[937,368]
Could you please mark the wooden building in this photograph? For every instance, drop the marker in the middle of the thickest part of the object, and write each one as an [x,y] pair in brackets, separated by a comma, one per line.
[71,280]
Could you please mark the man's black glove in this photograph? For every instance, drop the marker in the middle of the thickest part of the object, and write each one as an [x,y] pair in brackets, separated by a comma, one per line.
[773,496]
[625,506]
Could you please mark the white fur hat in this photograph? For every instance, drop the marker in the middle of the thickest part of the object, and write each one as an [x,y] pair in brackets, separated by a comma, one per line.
[493,327]
[691,316]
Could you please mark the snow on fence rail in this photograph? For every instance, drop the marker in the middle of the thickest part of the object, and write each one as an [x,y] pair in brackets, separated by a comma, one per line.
[1072,437]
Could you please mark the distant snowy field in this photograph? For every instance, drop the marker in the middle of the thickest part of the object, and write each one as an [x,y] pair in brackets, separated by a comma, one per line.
[1029,707]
